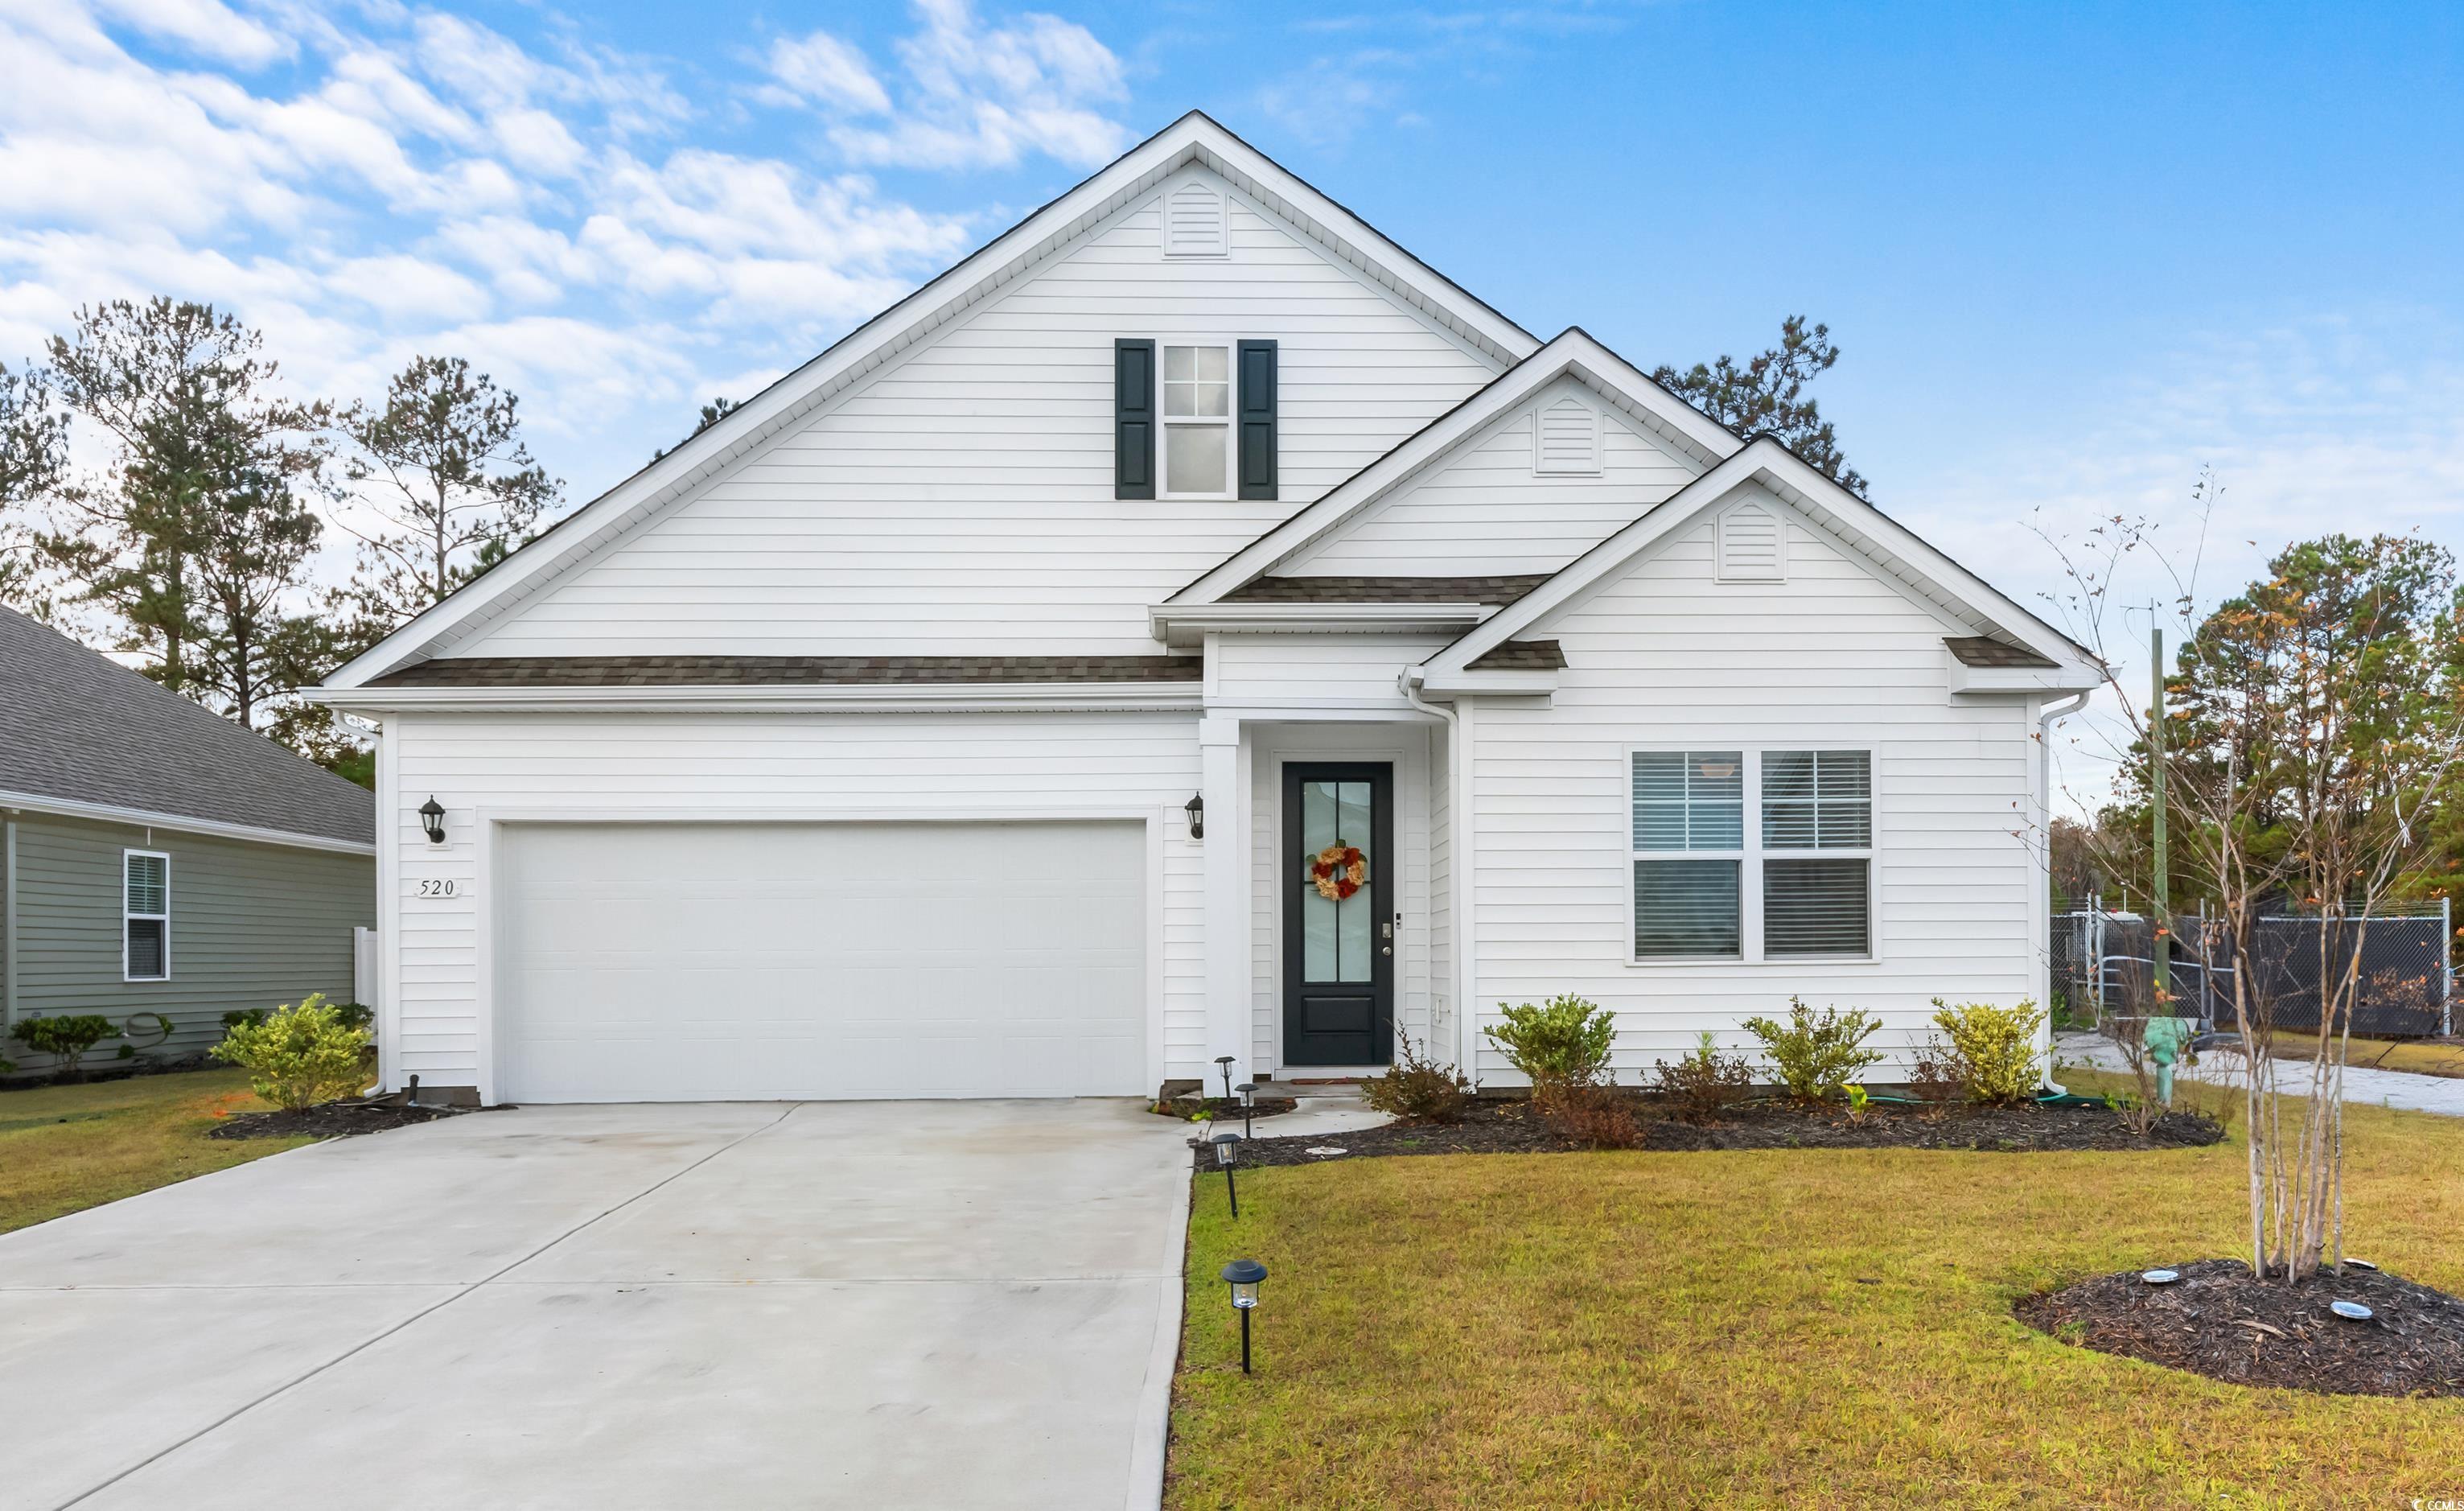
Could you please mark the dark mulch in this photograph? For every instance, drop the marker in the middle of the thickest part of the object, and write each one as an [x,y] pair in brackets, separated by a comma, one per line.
[1512,1128]
[1223,1107]
[2220,1322]
[95,1072]
[333,1120]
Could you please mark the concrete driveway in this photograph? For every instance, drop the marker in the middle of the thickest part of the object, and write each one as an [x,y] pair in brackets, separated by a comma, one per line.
[745,1305]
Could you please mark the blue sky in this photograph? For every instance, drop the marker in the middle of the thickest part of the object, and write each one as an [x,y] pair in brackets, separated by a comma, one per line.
[2073,252]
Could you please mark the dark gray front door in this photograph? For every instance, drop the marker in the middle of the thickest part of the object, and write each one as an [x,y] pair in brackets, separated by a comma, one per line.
[1338,914]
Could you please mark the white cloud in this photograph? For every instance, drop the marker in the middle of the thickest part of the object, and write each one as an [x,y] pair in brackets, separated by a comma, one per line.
[205,26]
[828,72]
[973,96]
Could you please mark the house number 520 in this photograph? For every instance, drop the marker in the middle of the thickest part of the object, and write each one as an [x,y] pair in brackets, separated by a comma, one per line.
[439,889]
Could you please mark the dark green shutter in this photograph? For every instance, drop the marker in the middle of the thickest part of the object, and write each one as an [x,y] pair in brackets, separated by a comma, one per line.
[1133,434]
[1257,419]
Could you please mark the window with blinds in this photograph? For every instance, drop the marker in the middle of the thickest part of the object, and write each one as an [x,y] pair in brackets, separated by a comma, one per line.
[146,915]
[1689,840]
[1797,880]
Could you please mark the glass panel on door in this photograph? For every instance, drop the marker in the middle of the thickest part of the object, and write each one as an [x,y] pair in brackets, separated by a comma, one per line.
[1336,901]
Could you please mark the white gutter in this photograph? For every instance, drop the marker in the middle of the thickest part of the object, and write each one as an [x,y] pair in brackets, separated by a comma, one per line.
[1184,624]
[2041,884]
[788,698]
[178,823]
[1459,891]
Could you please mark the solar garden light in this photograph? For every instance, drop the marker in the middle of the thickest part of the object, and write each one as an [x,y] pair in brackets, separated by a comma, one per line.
[1227,1150]
[1248,1090]
[1245,1275]
[1223,1063]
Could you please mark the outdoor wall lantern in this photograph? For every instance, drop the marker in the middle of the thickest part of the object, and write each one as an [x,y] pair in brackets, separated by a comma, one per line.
[1245,1276]
[1223,1066]
[1248,1090]
[1196,807]
[431,817]
[1227,1151]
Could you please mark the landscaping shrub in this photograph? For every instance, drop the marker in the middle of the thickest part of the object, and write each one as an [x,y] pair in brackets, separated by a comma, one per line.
[1418,1089]
[1816,1054]
[1563,1044]
[1993,1049]
[68,1036]
[1593,1115]
[299,1056]
[1699,1086]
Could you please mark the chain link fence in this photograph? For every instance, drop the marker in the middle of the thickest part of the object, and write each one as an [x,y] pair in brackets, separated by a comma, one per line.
[2103,964]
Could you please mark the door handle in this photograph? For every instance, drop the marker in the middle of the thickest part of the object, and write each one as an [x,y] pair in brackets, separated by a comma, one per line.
[1389,948]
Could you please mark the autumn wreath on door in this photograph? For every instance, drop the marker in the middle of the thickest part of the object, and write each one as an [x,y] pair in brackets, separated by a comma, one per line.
[1339,869]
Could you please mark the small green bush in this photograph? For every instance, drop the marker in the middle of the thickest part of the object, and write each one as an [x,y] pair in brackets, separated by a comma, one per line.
[1699,1086]
[1993,1049]
[1418,1089]
[1816,1054]
[68,1036]
[1562,1043]
[299,1056]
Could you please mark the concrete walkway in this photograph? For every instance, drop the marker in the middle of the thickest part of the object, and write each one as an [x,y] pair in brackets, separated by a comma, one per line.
[822,1305]
[2402,1090]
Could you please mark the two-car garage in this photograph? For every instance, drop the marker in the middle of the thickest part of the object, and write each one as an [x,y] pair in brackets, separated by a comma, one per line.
[691,962]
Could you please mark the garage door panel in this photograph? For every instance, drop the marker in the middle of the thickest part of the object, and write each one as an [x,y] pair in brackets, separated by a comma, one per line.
[711,961]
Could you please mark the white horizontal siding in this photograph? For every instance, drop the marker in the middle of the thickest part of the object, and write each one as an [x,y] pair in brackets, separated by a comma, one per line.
[770,766]
[961,500]
[1483,510]
[1355,670]
[1832,657]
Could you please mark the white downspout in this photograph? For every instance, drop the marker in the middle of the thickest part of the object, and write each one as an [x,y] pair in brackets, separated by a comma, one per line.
[2042,887]
[1459,889]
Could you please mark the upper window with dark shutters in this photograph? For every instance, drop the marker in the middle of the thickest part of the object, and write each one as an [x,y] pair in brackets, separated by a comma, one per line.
[1195,417]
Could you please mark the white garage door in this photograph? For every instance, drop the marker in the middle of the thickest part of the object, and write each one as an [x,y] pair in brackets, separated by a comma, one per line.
[752,962]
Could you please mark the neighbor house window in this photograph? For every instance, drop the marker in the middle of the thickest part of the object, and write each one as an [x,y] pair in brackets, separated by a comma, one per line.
[1796,881]
[1198,420]
[146,915]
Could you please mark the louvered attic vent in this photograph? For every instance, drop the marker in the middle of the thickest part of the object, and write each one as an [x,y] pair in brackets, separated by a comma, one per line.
[1566,438]
[1751,547]
[1194,222]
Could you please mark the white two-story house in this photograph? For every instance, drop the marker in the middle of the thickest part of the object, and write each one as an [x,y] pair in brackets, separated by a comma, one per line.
[1192,627]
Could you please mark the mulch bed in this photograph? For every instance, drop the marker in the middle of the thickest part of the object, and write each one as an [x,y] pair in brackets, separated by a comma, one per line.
[1512,1128]
[2220,1321]
[1223,1107]
[332,1120]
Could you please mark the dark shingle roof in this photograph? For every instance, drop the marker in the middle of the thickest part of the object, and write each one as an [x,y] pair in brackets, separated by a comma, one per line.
[1977,650]
[1494,591]
[80,727]
[786,671]
[1521,656]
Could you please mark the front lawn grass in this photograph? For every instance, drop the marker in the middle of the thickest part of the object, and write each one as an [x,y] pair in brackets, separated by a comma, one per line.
[63,1149]
[1771,1328]
[2421,1057]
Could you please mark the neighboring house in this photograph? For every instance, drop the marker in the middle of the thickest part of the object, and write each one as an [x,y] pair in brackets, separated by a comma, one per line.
[157,858]
[862,745]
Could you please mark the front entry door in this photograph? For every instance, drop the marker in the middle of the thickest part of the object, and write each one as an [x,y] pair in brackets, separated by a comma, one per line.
[1338,914]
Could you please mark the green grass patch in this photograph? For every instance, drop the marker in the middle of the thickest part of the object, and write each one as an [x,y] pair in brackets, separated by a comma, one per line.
[1775,1328]
[63,1149]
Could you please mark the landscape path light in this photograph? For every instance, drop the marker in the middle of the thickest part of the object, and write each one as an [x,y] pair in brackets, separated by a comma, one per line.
[1223,1063]
[1245,1276]
[1227,1150]
[1248,1090]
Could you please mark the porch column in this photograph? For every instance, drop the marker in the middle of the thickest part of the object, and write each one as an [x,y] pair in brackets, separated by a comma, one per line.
[1227,897]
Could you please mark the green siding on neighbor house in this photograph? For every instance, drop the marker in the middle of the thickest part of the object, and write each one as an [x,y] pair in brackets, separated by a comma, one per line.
[253,926]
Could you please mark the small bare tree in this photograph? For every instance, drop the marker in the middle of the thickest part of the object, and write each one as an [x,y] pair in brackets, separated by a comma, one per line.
[2309,721]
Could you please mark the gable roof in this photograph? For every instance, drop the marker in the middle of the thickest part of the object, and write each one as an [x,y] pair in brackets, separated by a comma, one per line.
[1889,546]
[1574,353]
[1194,138]
[78,732]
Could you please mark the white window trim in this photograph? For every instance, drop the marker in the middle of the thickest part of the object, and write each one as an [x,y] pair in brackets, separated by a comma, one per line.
[1750,857]
[126,916]
[1165,423]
